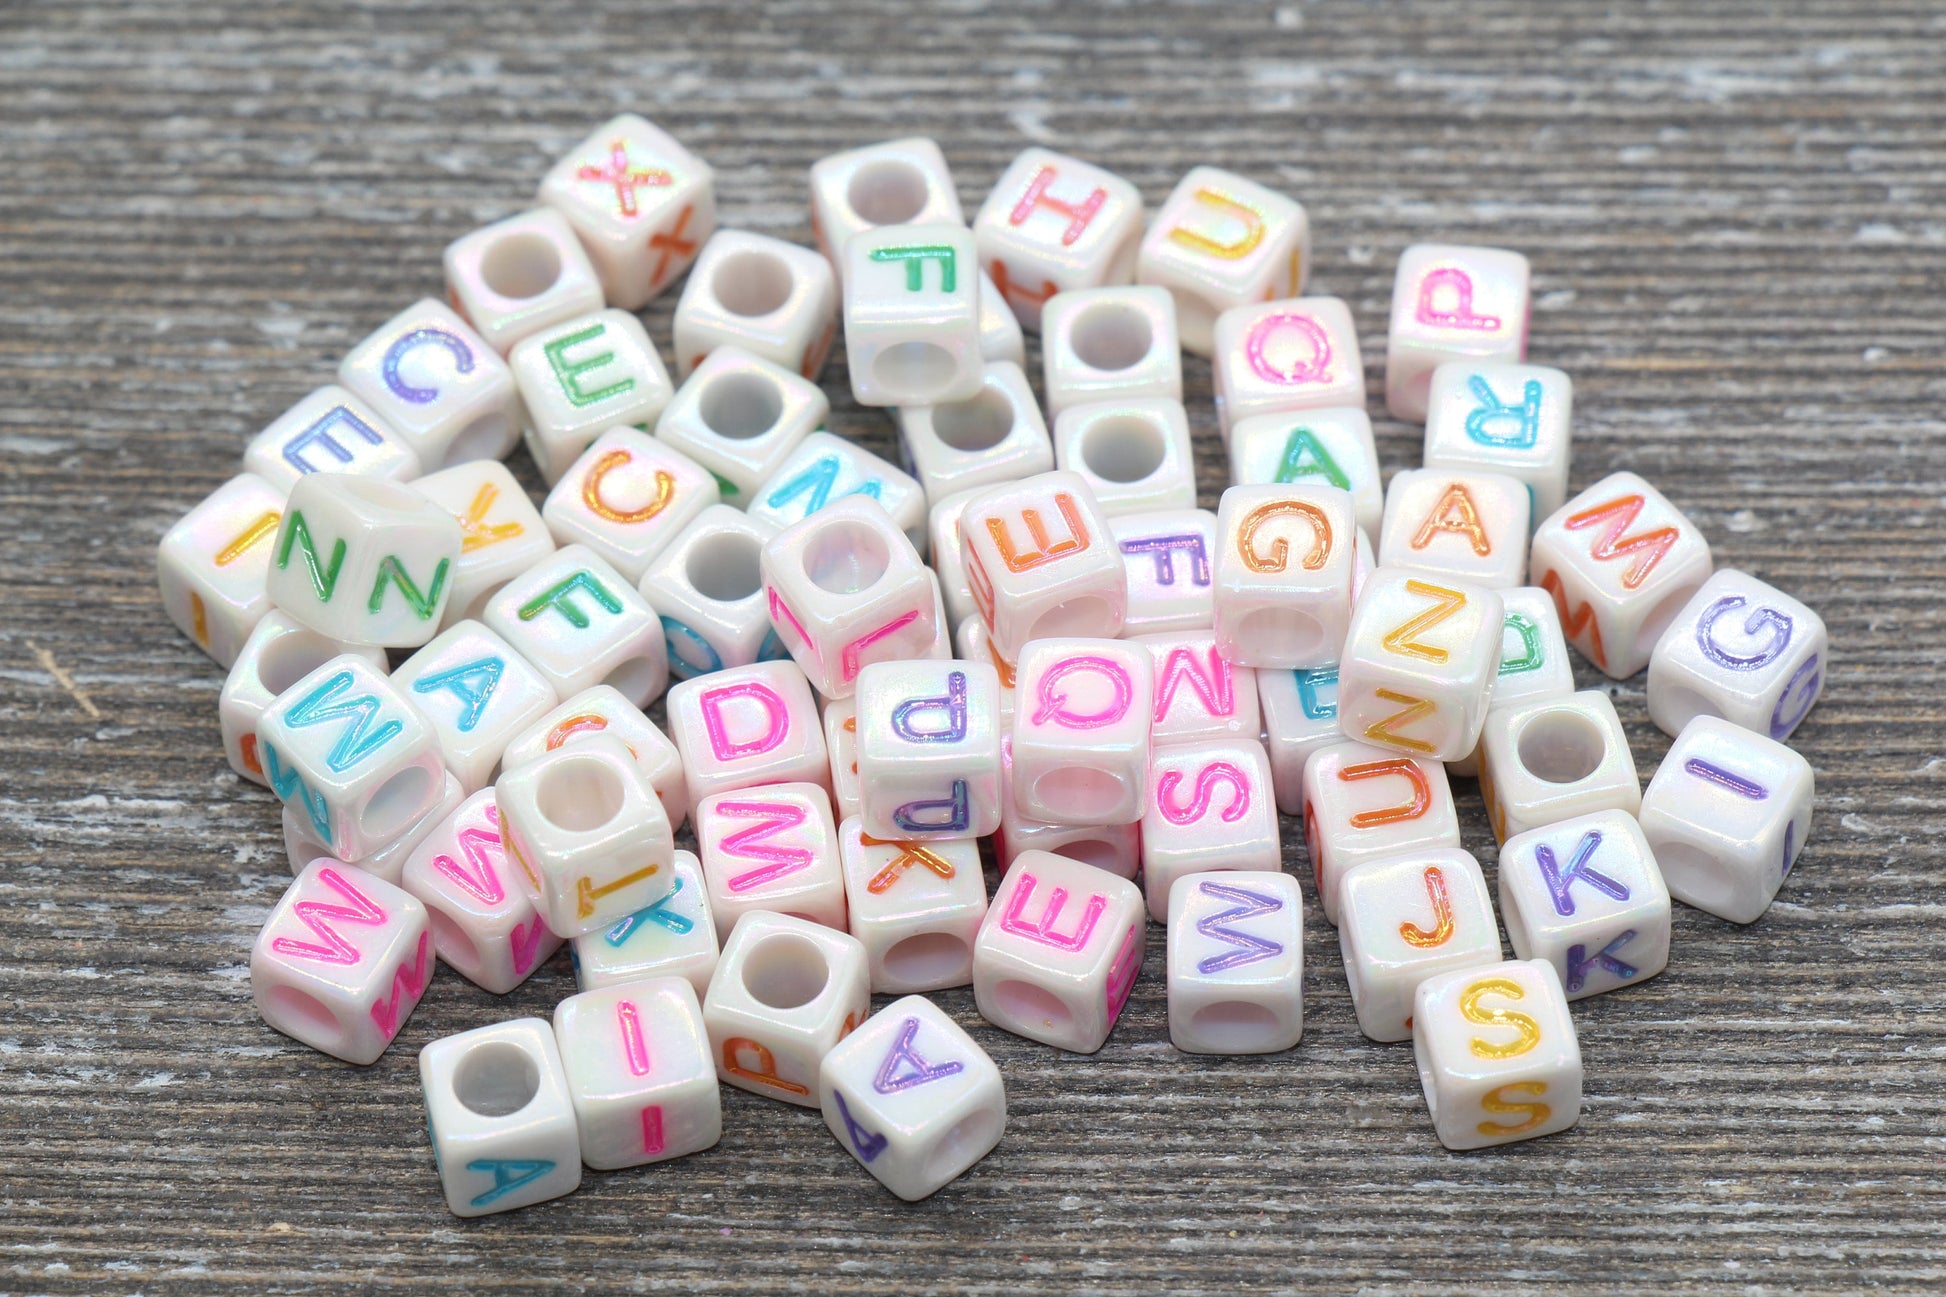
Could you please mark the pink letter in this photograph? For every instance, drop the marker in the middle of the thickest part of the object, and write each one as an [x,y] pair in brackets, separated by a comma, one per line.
[1053,705]
[1315,370]
[1043,932]
[777,718]
[1214,688]
[1206,780]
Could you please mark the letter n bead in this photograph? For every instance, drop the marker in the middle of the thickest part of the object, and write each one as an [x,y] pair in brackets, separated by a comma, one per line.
[1742,650]
[500,1117]
[1419,662]
[1236,963]
[785,992]
[639,1072]
[1083,711]
[913,1098]
[1497,1054]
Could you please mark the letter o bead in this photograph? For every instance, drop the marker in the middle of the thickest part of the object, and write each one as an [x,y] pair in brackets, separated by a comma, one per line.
[1082,716]
[1285,561]
[785,992]
[1498,1058]
[1741,650]
[500,1117]
[1236,963]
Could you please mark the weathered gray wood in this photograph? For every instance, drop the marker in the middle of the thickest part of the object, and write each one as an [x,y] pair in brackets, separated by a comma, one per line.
[1733,211]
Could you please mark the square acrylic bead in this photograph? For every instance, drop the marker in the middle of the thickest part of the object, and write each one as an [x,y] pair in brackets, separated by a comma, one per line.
[1497,1054]
[501,532]
[1621,563]
[916,905]
[484,925]
[996,435]
[1112,848]
[1586,896]
[1199,695]
[913,1098]
[639,1072]
[771,298]
[746,726]
[627,498]
[1000,334]
[500,1118]
[278,654]
[641,204]
[515,277]
[1300,711]
[603,710]
[1210,808]
[341,962]
[928,749]
[1110,344]
[1470,526]
[387,859]
[1276,357]
[1418,664]
[1236,963]
[583,376]
[587,835]
[1501,418]
[912,315]
[898,182]
[772,848]
[1220,240]
[1041,562]
[706,587]
[1534,661]
[1166,558]
[1741,650]
[580,624]
[1052,224]
[674,937]
[1726,815]
[1326,447]
[364,560]
[212,565]
[740,416]
[1134,454]
[329,431]
[1059,952]
[1404,918]
[785,992]
[478,693]
[1451,303]
[1363,803]
[824,470]
[1081,739]
[1554,759]
[841,742]
[438,384]
[1285,561]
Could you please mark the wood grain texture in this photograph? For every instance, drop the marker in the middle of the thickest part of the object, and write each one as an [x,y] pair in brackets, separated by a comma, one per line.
[1733,212]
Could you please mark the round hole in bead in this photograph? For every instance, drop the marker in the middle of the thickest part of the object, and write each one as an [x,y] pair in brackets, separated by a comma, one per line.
[1111,336]
[927,959]
[888,192]
[1280,632]
[1081,791]
[292,656]
[1092,851]
[453,943]
[741,406]
[487,437]
[1233,1026]
[496,1079]
[634,679]
[1561,746]
[913,371]
[752,283]
[979,422]
[726,567]
[845,557]
[521,265]
[579,793]
[966,1143]
[1123,448]
[785,971]
[395,804]
[1030,1005]
[1082,617]
[288,1003]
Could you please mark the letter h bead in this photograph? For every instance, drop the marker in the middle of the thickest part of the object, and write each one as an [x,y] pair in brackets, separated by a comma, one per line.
[1055,223]
[929,749]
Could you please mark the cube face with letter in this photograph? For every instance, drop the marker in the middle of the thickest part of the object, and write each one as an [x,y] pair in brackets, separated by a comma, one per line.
[1055,223]
[1503,418]
[1081,738]
[1498,1058]
[1365,803]
[917,907]
[1405,918]
[580,623]
[929,749]
[786,991]
[771,848]
[438,384]
[1419,663]
[212,564]
[1236,963]
[1277,357]
[500,1117]
[1451,302]
[639,1072]
[1211,808]
[674,937]
[912,315]
[1221,240]
[1587,896]
[747,726]
[1741,650]
[1041,562]
[626,498]
[484,925]
[584,376]
[1284,569]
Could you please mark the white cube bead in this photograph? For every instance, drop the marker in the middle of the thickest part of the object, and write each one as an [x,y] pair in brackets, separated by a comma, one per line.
[916,905]
[1419,662]
[1726,815]
[640,202]
[1404,918]
[996,435]
[329,431]
[586,833]
[746,726]
[499,1116]
[1364,803]
[1042,563]
[1471,526]
[1300,710]
[1110,344]
[675,937]
[974,644]
[1059,951]
[1054,223]
[1325,447]
[825,469]
[1000,334]
[1134,454]
[627,498]
[1285,561]
[1498,1059]
[948,559]
[1112,848]
[1166,558]
[840,721]
[1300,353]
[1236,963]
[580,624]
[484,925]
[786,990]
[912,314]
[1741,650]
[913,1098]
[640,1072]
[1081,731]
[387,859]
[344,746]
[1451,302]
[501,532]
[1554,759]
[1586,896]
[438,384]
[603,710]
[772,848]
[1210,808]
[897,182]
[739,416]
[1221,240]
[706,588]
[1621,563]
[478,693]
[1511,419]
[1534,661]
[364,560]
[341,962]
[212,565]
[583,376]
[518,276]
[928,749]
[278,654]
[1199,694]
[771,298]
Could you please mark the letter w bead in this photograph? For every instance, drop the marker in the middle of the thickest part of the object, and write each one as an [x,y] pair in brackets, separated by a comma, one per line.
[318,916]
[1614,518]
[1249,948]
[780,861]
[357,741]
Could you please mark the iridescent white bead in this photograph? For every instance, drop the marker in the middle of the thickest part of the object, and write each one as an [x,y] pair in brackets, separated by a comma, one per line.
[775,848]
[771,298]
[1042,563]
[364,560]
[1586,896]
[706,586]
[1404,918]
[603,710]
[1300,710]
[916,906]
[1275,357]
[1468,525]
[499,1116]
[1364,803]
[1498,1059]
[1555,759]
[739,416]
[1167,557]
[478,693]
[212,564]
[1220,240]
[785,992]
[501,532]
[626,498]
[1199,693]
[1110,344]
[996,435]
[387,859]
[1081,731]
[1741,650]
[639,1071]
[581,377]
[1418,664]
[1210,808]
[329,431]
[521,275]
[438,384]
[1512,419]
[484,925]
[278,654]
[1451,303]
[912,315]
[1054,223]
[580,624]
[1284,564]
[1236,963]
[1134,454]
[897,182]
[1325,447]
[745,726]
[674,937]
[825,469]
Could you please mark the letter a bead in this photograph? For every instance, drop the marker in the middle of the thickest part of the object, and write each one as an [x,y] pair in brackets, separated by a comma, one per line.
[1497,1054]
[500,1117]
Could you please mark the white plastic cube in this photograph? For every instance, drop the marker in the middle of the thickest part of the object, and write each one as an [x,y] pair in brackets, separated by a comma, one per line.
[1199,694]
[739,416]
[674,937]
[518,276]
[1332,446]
[1586,896]
[364,560]
[897,182]
[916,905]
[912,314]
[825,469]
[1211,807]
[771,298]
[1534,661]
[1418,664]
[329,431]
[1054,223]
[1471,526]
[1498,1058]
[627,498]
[785,992]
[1285,562]
[706,587]
[1042,563]
[928,749]
[278,654]
[1404,918]
[996,435]
[501,532]
[500,1118]
[1451,302]
[1134,454]
[771,848]
[603,710]
[386,859]
[1555,759]
[1236,963]
[1741,650]
[639,1072]
[747,726]
[581,624]
[438,384]
[1110,344]
[1112,848]
[1276,357]
[1081,738]
[1503,418]
[478,693]
[582,376]
[484,925]
[1363,803]
[1300,711]
[212,565]
[1166,557]
[1220,240]
[1000,334]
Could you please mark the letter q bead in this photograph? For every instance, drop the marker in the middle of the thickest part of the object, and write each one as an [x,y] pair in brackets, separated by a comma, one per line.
[1081,740]
[785,992]
[1285,563]
[638,1068]
[1451,303]
[1236,963]
[1741,650]
[1497,1054]
[500,1117]
[1276,357]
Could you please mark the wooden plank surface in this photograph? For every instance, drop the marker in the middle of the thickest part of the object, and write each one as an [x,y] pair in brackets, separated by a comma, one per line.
[1734,214]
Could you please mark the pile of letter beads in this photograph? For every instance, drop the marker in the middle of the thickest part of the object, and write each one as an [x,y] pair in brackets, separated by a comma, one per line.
[1025,631]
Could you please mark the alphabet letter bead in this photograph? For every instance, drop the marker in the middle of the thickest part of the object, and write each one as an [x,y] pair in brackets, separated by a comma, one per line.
[1114,848]
[1210,808]
[499,1116]
[916,906]
[1418,665]
[1059,951]
[1110,344]
[1300,710]
[706,587]
[929,749]
[1000,335]
[518,276]
[212,565]
[1586,896]
[1199,695]
[1081,731]
[1236,963]
[1554,759]
[639,1072]
[1166,559]
[1498,1058]
[746,726]
[364,560]
[580,624]
[898,182]
[1365,803]
[303,844]
[329,431]
[1741,650]
[438,384]
[773,847]
[627,498]
[1404,918]
[1511,419]
[1285,561]
[578,378]
[1276,357]
[771,298]
[912,315]
[1471,526]
[341,962]
[675,937]
[785,992]
[1042,563]
[641,204]
[603,710]
[825,469]
[478,693]
[1134,454]
[278,654]
[996,435]
[1218,241]
[1533,661]
[913,1098]
[501,533]
[1327,447]
[483,924]
[1725,816]
[1621,562]
[739,416]
[1055,223]
[1451,303]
